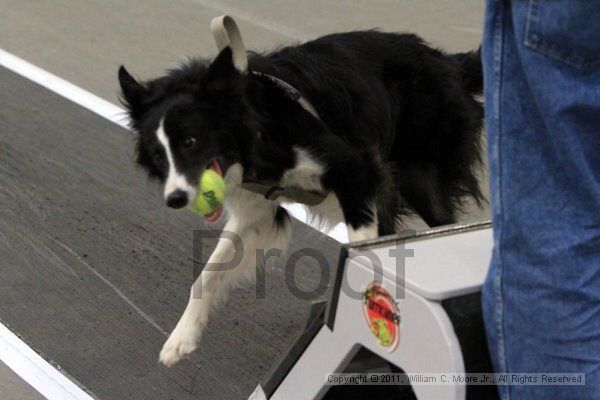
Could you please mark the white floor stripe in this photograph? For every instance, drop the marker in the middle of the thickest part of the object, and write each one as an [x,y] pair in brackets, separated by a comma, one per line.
[34,370]
[66,89]
[117,115]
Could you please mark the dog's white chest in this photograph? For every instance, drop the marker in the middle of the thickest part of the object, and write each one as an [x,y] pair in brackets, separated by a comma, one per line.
[306,174]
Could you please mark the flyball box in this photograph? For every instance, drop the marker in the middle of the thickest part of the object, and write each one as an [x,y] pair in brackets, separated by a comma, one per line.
[407,303]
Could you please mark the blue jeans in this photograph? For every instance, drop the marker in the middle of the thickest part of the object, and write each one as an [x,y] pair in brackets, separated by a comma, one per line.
[541,299]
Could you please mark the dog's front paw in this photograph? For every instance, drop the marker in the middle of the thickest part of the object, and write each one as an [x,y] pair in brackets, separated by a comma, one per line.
[182,342]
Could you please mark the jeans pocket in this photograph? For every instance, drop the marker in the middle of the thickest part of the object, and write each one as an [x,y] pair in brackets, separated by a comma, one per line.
[566,30]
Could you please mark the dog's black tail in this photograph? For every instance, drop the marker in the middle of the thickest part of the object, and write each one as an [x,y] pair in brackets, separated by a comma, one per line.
[472,70]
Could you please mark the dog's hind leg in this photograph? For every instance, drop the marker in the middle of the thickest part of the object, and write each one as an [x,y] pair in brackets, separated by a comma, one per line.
[365,232]
[230,265]
[358,179]
[423,190]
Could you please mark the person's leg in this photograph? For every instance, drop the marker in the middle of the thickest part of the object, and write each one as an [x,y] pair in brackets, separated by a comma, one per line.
[542,97]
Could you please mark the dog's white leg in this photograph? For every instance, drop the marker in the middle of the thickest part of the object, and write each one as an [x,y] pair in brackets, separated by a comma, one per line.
[212,285]
[362,233]
[365,232]
[184,338]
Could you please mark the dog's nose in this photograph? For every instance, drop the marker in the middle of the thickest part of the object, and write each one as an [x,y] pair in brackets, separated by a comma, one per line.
[177,199]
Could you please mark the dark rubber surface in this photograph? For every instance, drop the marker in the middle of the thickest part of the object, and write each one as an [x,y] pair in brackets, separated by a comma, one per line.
[94,270]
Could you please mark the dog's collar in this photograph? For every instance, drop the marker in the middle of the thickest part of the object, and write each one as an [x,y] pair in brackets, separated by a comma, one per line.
[291,92]
[226,33]
[295,194]
[291,193]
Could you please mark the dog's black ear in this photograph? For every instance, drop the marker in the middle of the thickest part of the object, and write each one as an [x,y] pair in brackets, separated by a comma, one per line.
[134,93]
[221,73]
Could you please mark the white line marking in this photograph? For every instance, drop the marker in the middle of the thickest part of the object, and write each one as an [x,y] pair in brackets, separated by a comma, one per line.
[36,371]
[118,291]
[65,89]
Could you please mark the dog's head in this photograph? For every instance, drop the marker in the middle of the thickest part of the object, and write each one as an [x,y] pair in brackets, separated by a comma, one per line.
[193,118]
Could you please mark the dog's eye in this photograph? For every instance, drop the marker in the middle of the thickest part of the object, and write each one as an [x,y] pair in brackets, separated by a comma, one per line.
[189,143]
[158,158]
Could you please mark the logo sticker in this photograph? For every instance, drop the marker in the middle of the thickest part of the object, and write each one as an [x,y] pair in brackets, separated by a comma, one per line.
[382,316]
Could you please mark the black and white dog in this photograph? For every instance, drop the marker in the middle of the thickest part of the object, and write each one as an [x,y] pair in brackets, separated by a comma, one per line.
[386,126]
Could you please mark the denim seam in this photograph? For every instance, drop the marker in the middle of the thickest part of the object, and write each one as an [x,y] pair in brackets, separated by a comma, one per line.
[532,41]
[498,279]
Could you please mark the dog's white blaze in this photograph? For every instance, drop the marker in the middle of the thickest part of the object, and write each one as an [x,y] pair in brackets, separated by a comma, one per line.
[307,172]
[175,180]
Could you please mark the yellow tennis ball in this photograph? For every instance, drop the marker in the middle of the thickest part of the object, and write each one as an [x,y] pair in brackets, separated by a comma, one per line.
[211,193]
